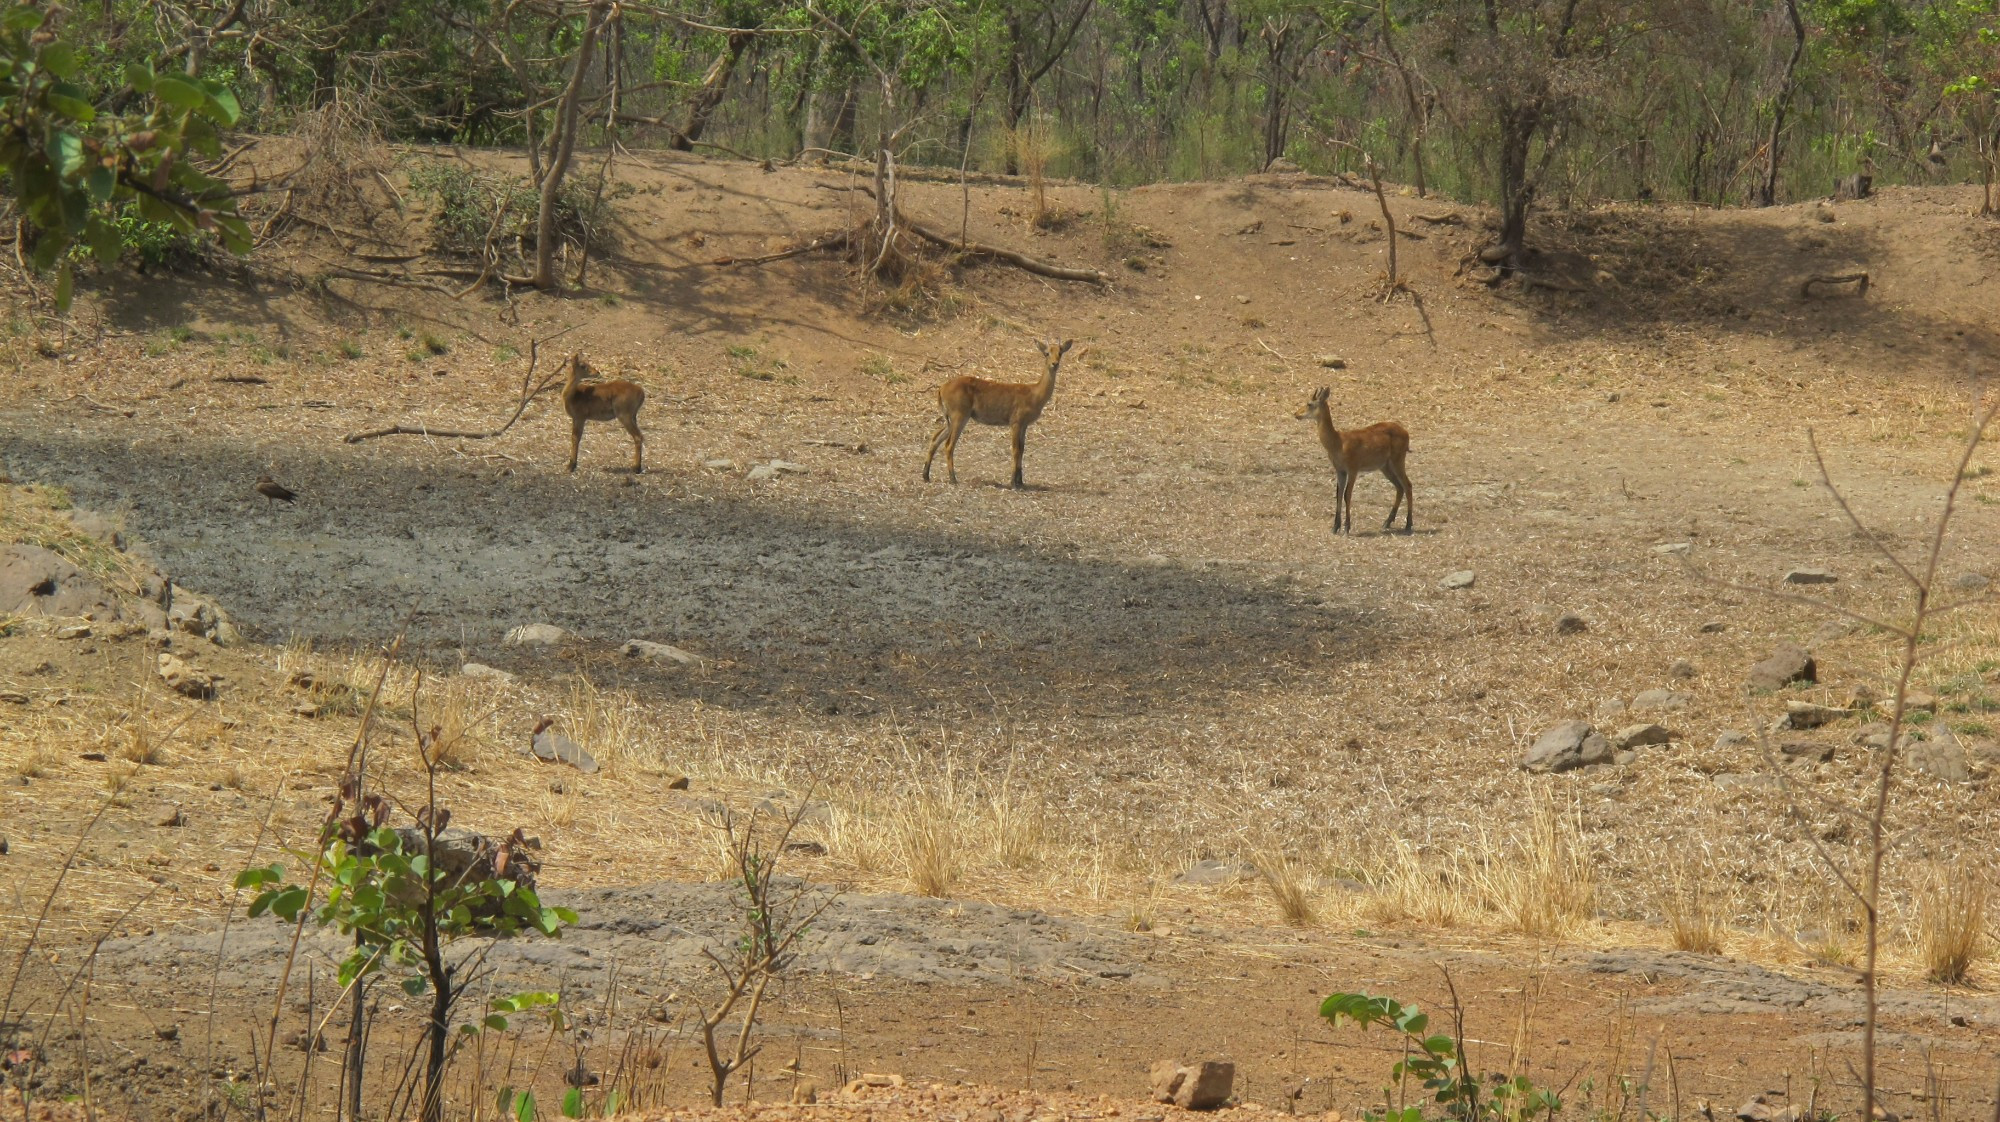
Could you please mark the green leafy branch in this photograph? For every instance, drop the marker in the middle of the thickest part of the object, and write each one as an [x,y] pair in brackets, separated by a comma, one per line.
[1437,1060]
[72,166]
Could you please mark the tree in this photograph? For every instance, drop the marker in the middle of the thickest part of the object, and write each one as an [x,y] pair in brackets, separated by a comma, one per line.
[562,144]
[73,164]
[1767,191]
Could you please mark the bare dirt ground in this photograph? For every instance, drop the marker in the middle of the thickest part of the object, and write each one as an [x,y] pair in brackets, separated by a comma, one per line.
[1153,657]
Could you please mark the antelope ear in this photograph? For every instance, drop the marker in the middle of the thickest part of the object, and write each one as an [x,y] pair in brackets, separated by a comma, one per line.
[1067,344]
[1042,347]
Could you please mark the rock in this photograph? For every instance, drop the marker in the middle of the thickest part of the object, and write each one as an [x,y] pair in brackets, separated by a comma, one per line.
[1282,166]
[1672,548]
[535,635]
[479,671]
[657,652]
[1714,627]
[1681,668]
[1809,576]
[40,582]
[1209,870]
[1203,1085]
[1624,757]
[550,746]
[1808,715]
[1863,697]
[1661,699]
[201,617]
[1461,579]
[761,472]
[184,679]
[1757,1110]
[787,467]
[1787,664]
[174,818]
[719,465]
[1569,623]
[1730,739]
[680,783]
[1920,699]
[1566,747]
[1941,757]
[1811,751]
[1610,709]
[74,631]
[1971,582]
[1331,362]
[1639,736]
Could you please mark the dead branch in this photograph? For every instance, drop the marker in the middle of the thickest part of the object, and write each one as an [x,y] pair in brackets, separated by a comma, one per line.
[1012,257]
[530,390]
[1446,219]
[832,241]
[1858,280]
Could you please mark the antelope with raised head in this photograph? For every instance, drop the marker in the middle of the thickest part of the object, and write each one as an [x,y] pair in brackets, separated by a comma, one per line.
[1014,404]
[615,400]
[1379,447]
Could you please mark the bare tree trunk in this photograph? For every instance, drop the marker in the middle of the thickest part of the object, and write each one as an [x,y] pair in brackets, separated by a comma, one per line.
[714,84]
[1276,37]
[1767,191]
[1419,120]
[564,146]
[1517,132]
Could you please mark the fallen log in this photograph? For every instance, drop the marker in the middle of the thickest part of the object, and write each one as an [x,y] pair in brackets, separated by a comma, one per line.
[530,390]
[1012,257]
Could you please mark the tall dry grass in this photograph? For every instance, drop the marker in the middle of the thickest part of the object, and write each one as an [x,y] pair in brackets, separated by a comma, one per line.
[1951,922]
[1694,921]
[1540,883]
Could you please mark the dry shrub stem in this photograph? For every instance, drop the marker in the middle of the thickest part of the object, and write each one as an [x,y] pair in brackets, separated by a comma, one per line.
[1866,887]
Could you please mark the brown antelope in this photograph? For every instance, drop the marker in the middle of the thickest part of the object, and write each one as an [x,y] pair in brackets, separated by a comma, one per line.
[1014,404]
[602,401]
[1379,447]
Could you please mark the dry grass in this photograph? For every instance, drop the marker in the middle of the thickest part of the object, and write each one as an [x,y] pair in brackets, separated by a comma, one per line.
[1410,889]
[34,763]
[1543,883]
[1951,922]
[1693,922]
[37,515]
[1291,887]
[932,846]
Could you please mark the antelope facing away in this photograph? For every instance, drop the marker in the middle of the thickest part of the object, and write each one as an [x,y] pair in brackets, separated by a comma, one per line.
[602,401]
[1379,447]
[1014,404]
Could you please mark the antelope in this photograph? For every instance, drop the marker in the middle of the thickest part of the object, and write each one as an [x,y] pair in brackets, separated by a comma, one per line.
[602,401]
[1014,404]
[1379,447]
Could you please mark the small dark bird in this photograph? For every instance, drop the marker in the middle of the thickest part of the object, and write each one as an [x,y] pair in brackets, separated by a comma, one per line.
[277,492]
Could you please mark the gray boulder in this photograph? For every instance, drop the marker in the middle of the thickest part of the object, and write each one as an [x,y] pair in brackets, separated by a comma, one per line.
[1787,664]
[1566,747]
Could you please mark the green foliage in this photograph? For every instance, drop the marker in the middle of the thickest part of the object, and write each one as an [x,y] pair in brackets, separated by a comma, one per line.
[387,898]
[1433,1058]
[76,170]
[471,205]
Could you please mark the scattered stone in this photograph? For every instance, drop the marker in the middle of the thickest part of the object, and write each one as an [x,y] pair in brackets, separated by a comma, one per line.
[168,1032]
[1640,736]
[1941,757]
[1203,1085]
[680,783]
[1610,709]
[1863,697]
[1461,579]
[201,617]
[1624,757]
[550,746]
[1569,623]
[13,697]
[1714,627]
[1210,870]
[1757,1110]
[720,465]
[1730,739]
[1566,747]
[1331,362]
[74,631]
[1808,715]
[1282,166]
[1681,668]
[479,671]
[173,819]
[1661,699]
[657,652]
[184,679]
[1672,548]
[1971,582]
[306,709]
[535,635]
[1811,751]
[1920,699]
[761,473]
[1809,576]
[40,582]
[1787,664]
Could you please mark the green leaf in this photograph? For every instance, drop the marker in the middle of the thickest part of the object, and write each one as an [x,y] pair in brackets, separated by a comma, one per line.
[1439,1045]
[59,59]
[104,243]
[21,17]
[65,151]
[253,878]
[139,76]
[414,985]
[101,182]
[65,287]
[572,1103]
[504,1101]
[75,108]
[611,1100]
[179,92]
[524,1107]
[222,105]
[289,902]
[496,1022]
